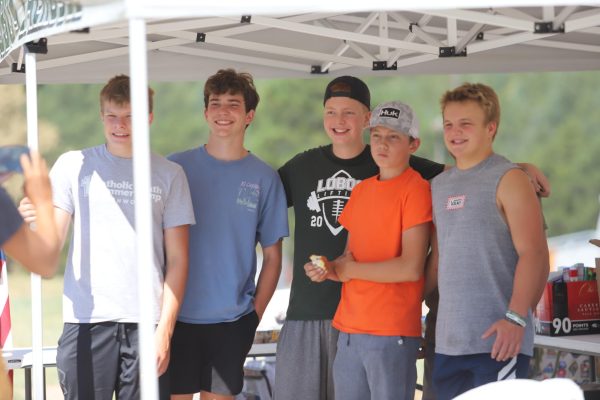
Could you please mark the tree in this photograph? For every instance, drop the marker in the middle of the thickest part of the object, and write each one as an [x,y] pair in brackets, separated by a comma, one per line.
[13,129]
[548,119]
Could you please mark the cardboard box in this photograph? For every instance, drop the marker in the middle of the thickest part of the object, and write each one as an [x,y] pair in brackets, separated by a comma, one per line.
[598,276]
[549,363]
[570,308]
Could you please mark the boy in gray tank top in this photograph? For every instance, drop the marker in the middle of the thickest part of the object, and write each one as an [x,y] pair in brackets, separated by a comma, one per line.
[491,258]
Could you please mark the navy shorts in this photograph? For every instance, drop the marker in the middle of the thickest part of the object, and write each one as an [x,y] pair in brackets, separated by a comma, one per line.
[453,375]
[210,357]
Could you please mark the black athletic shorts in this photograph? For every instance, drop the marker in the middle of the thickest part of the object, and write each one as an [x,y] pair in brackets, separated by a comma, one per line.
[210,357]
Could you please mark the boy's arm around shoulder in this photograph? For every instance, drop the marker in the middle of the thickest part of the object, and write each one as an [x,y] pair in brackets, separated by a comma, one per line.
[538,180]
[426,168]
[522,210]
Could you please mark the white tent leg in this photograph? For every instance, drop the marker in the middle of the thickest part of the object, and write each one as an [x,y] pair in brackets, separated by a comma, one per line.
[36,280]
[143,214]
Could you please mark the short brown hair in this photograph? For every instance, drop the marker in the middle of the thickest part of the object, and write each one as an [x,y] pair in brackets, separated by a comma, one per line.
[232,82]
[117,91]
[481,94]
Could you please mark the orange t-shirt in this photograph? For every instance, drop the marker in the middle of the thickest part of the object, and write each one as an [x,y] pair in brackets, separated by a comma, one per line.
[376,215]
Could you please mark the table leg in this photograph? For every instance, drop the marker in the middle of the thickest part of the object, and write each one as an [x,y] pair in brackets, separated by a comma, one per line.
[27,383]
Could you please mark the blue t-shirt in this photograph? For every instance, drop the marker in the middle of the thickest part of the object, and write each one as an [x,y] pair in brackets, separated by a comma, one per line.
[237,204]
[10,220]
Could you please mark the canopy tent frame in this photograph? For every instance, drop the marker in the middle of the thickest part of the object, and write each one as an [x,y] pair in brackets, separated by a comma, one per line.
[405,41]
[36,280]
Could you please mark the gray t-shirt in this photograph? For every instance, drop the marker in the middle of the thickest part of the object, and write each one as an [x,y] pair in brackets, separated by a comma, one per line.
[477,258]
[96,188]
[10,220]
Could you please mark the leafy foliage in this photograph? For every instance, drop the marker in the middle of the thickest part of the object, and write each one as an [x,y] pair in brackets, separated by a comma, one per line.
[548,119]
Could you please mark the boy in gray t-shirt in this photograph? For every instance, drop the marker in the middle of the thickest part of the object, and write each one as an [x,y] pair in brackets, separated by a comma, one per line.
[98,353]
[493,257]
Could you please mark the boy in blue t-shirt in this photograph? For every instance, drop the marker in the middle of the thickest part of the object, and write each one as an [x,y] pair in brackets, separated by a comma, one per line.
[238,201]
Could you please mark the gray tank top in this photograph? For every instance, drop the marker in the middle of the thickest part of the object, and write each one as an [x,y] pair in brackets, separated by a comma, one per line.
[477,258]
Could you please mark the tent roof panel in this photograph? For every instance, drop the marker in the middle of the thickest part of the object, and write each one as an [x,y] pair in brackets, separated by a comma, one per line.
[290,44]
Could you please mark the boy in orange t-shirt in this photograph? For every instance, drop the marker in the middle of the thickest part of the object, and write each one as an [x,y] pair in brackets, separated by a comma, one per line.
[388,218]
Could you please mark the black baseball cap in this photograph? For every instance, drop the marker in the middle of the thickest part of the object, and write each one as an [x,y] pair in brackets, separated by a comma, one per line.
[348,86]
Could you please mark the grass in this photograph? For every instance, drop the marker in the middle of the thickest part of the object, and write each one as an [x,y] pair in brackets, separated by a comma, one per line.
[20,307]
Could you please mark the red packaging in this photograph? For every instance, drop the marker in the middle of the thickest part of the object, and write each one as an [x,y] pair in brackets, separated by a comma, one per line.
[568,308]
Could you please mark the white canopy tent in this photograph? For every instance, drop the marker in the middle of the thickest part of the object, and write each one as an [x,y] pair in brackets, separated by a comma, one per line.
[61,41]
[188,41]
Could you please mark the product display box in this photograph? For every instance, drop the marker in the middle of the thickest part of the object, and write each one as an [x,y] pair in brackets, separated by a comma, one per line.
[568,308]
[548,363]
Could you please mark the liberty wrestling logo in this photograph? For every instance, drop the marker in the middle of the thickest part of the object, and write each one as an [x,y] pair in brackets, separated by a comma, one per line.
[329,200]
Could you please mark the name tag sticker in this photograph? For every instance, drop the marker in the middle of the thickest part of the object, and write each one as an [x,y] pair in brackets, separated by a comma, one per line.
[455,202]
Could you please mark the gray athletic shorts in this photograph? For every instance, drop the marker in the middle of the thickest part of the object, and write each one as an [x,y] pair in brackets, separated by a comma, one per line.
[305,353]
[375,367]
[96,360]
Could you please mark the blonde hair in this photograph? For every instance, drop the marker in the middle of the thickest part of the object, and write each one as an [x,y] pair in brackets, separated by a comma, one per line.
[481,94]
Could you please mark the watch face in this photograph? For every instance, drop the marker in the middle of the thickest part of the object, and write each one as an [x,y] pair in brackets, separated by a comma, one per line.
[9,158]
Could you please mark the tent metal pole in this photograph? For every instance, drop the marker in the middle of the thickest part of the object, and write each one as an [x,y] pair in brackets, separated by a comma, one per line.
[36,280]
[143,214]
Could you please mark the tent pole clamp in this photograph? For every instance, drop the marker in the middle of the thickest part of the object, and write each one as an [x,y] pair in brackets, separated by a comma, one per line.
[383,66]
[548,27]
[35,47]
[200,37]
[451,52]
[14,68]
[39,47]
[317,70]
